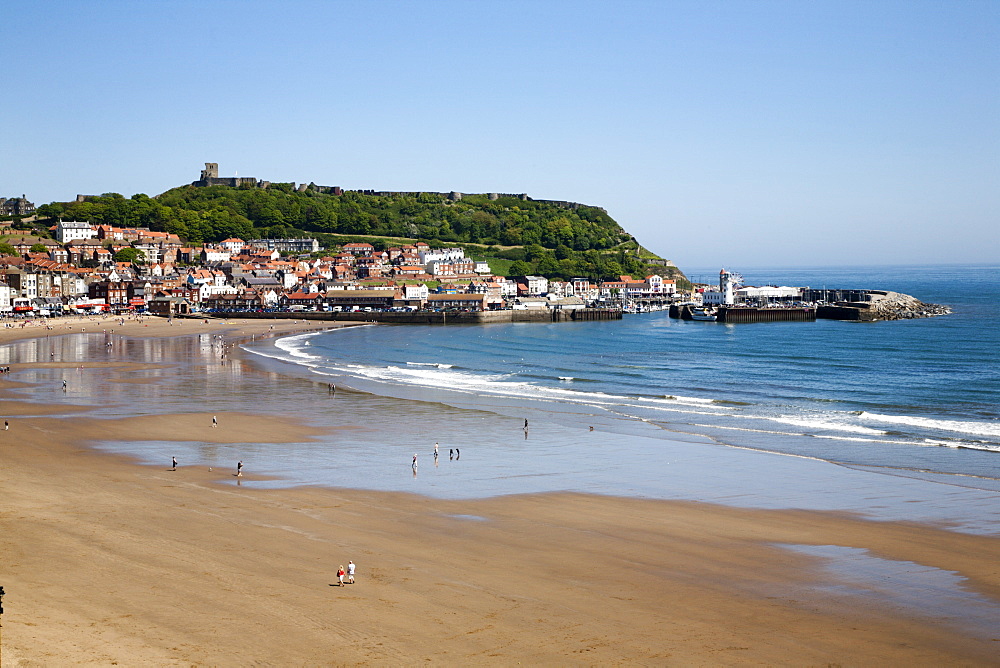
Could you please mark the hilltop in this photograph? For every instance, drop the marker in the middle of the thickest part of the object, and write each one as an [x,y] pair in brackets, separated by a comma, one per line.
[517,233]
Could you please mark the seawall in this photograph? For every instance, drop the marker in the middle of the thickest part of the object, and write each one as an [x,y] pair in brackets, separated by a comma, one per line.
[881,305]
[750,314]
[438,318]
[744,314]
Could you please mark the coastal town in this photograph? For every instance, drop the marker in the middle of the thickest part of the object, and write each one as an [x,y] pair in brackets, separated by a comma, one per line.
[85,268]
[51,266]
[487,334]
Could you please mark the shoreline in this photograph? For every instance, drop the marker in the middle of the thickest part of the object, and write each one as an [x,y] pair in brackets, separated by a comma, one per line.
[115,560]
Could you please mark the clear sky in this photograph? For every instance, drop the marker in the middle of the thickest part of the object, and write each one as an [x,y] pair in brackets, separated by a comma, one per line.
[719,133]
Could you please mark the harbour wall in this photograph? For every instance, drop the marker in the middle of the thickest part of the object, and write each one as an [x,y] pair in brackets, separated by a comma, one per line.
[749,314]
[744,314]
[438,318]
[844,312]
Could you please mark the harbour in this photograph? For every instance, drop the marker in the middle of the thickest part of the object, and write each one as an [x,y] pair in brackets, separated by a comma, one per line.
[734,302]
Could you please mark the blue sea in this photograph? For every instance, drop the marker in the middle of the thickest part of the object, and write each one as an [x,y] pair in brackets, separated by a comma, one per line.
[917,397]
[889,420]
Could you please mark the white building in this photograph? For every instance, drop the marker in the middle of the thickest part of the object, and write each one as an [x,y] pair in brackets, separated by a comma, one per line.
[69,230]
[6,298]
[560,289]
[441,255]
[415,291]
[661,286]
[508,287]
[28,283]
[712,298]
[288,279]
[454,267]
[769,292]
[151,252]
[304,245]
[215,255]
[212,289]
[537,285]
[234,245]
[583,288]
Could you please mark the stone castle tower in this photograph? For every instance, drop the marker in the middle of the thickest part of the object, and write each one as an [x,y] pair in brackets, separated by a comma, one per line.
[211,171]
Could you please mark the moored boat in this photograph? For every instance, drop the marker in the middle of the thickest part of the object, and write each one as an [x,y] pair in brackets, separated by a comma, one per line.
[703,314]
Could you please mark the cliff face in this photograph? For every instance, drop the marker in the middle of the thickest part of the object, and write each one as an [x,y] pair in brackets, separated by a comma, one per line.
[883,306]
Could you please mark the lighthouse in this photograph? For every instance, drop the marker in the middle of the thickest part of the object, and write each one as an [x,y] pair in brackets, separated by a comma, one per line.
[726,285]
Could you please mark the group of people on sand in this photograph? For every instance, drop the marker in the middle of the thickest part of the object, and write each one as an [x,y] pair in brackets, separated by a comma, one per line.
[453,453]
[349,574]
[342,573]
[173,465]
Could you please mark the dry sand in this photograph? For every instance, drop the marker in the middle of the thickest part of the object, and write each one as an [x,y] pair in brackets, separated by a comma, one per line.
[109,562]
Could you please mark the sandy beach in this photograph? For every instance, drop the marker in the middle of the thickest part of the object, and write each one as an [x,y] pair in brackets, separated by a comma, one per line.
[107,561]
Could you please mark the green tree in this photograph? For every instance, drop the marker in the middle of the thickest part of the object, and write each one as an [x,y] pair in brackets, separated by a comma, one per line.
[39,248]
[534,252]
[7,249]
[548,266]
[53,210]
[133,255]
[519,268]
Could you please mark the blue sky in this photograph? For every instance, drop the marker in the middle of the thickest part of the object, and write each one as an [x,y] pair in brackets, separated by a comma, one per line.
[719,133]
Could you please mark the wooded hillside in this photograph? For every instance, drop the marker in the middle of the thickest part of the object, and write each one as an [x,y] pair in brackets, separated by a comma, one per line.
[551,239]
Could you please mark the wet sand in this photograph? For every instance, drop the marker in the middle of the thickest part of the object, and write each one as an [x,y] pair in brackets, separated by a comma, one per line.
[152,326]
[107,561]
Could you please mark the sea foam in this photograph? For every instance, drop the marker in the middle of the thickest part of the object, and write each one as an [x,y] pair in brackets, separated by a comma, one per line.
[989,429]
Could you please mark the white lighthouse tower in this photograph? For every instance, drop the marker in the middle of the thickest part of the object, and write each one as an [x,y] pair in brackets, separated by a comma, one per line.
[727,284]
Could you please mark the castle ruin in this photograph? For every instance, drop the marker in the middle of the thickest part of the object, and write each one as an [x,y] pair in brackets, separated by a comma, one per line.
[210,177]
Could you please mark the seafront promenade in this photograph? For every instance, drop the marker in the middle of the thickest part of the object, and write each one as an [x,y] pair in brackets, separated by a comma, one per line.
[436,317]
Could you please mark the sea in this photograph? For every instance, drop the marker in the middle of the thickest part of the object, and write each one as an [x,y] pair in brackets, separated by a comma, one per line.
[888,420]
[920,397]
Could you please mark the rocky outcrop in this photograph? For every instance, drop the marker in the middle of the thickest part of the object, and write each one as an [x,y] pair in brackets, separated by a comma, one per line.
[882,306]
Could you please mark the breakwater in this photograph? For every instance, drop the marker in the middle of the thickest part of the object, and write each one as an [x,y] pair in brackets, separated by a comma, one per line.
[863,306]
[745,314]
[872,305]
[752,314]
[438,317]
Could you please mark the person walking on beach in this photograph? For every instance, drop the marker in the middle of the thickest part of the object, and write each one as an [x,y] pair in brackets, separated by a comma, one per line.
[239,469]
[173,464]
[350,572]
[451,453]
[458,453]
[64,385]
[435,451]
[215,421]
[414,461]
[6,425]
[340,575]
